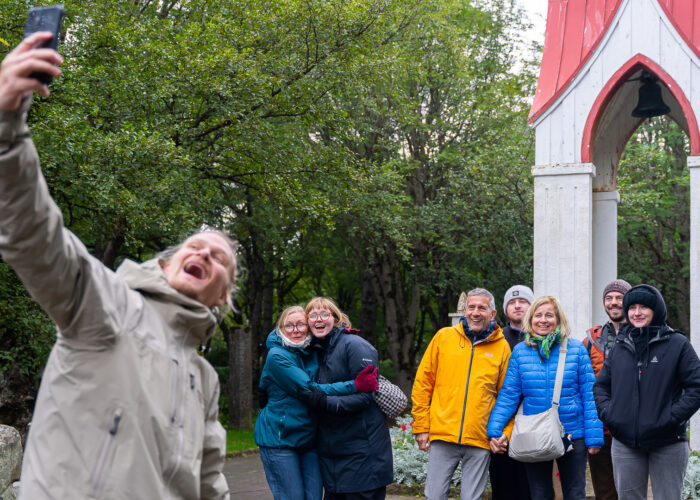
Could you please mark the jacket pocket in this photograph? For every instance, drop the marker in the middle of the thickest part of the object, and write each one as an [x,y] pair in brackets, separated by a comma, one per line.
[657,427]
[105,455]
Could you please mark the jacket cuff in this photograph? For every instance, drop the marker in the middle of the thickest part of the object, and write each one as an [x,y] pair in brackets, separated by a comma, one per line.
[13,124]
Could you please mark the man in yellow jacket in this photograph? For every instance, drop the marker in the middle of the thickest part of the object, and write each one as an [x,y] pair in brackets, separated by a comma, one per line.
[453,394]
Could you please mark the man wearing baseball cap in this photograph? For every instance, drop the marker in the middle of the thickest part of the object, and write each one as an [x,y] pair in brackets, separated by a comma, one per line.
[508,476]
[599,341]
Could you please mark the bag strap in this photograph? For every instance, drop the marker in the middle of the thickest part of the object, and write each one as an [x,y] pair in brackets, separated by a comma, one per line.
[560,372]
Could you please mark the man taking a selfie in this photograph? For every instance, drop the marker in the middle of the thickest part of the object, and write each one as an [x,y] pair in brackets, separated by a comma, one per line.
[127,408]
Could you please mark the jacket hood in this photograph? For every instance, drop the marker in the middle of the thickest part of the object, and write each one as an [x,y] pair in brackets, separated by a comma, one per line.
[648,296]
[148,279]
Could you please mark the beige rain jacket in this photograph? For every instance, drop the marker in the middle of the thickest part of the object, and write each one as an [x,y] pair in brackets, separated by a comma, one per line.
[127,409]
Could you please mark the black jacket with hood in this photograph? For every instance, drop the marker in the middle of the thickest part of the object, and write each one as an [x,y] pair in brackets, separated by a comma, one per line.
[649,385]
[513,335]
[353,443]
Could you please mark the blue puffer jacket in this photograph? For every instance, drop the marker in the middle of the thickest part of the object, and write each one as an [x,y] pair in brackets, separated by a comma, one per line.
[533,378]
[286,422]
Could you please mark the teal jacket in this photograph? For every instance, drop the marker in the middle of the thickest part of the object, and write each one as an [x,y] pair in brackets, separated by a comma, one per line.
[286,422]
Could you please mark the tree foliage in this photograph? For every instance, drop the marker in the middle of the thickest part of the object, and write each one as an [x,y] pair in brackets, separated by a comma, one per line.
[375,151]
[654,214]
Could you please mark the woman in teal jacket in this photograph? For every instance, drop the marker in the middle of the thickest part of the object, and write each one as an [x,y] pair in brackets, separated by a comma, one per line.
[285,429]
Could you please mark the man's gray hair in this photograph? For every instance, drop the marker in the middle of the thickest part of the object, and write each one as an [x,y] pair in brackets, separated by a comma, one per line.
[234,269]
[483,292]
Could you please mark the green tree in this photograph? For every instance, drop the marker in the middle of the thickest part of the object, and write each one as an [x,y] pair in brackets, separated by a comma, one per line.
[26,336]
[352,147]
[654,214]
[449,122]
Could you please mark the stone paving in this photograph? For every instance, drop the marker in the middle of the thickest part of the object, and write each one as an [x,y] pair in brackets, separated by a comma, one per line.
[246,479]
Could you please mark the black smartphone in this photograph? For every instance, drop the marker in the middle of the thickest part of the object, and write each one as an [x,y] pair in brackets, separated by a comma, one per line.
[44,19]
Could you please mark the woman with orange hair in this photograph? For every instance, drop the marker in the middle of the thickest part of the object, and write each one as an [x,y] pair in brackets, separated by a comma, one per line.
[353,443]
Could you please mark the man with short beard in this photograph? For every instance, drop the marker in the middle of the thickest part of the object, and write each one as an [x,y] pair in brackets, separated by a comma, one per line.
[600,340]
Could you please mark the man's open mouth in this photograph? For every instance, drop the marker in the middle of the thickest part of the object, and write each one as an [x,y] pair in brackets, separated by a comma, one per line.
[195,270]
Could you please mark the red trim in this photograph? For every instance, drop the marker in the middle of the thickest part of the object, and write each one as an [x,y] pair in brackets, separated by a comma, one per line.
[557,38]
[636,63]
[685,19]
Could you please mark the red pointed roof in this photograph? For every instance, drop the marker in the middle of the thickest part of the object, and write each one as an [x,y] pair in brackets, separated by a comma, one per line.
[685,17]
[574,29]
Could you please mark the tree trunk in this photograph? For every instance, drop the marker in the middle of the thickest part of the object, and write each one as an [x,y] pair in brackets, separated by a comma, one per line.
[368,309]
[399,318]
[240,378]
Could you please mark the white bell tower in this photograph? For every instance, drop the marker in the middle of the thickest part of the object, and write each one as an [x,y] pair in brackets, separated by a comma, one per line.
[582,118]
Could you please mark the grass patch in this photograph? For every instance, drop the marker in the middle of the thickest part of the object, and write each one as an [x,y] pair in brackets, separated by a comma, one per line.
[237,440]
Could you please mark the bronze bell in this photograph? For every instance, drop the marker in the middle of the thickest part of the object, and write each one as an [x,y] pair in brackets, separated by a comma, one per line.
[650,102]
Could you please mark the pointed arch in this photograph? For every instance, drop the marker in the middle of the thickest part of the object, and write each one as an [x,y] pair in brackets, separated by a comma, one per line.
[636,63]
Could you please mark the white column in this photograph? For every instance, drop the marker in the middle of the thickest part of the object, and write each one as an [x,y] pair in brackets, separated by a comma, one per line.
[693,164]
[604,249]
[563,250]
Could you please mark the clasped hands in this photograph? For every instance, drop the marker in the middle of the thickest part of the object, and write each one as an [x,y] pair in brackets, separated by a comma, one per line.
[500,444]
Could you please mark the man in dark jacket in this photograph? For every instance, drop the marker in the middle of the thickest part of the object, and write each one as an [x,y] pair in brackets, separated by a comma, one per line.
[599,341]
[647,390]
[507,476]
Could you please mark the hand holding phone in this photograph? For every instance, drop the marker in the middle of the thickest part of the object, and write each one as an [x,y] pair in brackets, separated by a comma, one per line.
[44,19]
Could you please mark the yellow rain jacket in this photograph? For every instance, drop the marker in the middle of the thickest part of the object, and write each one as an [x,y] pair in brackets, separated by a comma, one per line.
[457,384]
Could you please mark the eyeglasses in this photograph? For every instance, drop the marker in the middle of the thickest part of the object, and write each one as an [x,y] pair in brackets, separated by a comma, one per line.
[290,327]
[323,316]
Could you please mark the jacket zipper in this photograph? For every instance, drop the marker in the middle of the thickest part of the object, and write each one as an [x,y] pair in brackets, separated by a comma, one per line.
[98,473]
[639,382]
[179,411]
[546,371]
[629,345]
[466,392]
[173,392]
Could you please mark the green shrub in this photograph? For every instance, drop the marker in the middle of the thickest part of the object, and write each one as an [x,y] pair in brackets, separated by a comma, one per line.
[691,481]
[410,463]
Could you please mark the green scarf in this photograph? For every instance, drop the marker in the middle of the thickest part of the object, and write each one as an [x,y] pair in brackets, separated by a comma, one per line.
[545,343]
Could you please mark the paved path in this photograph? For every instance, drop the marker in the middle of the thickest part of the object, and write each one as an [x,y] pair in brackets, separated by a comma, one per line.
[246,479]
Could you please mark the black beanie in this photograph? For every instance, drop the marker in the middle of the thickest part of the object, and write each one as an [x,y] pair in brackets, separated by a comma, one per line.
[642,296]
[649,296]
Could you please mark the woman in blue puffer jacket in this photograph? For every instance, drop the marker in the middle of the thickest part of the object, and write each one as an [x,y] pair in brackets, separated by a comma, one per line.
[285,429]
[531,374]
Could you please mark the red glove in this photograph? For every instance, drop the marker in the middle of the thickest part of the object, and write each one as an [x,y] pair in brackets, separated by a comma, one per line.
[366,380]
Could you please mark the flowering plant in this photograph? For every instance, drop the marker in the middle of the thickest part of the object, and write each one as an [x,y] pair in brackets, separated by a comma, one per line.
[410,463]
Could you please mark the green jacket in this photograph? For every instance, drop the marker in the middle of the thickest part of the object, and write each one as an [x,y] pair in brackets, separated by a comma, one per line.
[286,422]
[127,408]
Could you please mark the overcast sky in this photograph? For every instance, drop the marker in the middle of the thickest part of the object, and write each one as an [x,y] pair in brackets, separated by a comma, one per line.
[537,11]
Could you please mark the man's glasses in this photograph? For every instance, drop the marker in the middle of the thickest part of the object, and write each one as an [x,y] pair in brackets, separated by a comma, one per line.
[290,327]
[324,316]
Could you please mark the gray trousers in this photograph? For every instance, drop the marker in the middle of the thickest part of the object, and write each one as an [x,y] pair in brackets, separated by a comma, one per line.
[664,465]
[442,462]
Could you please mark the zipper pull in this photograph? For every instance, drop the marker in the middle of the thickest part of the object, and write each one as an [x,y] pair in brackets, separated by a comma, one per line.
[192,381]
[115,424]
